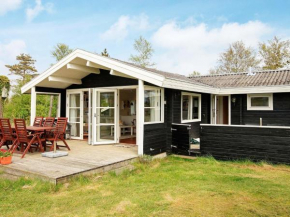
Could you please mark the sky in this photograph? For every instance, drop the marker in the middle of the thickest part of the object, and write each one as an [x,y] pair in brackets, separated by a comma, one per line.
[186,35]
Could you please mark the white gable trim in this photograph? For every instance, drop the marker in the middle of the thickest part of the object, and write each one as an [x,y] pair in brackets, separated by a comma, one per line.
[100,60]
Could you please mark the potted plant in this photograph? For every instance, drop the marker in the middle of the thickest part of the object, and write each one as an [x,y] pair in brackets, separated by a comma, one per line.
[6,158]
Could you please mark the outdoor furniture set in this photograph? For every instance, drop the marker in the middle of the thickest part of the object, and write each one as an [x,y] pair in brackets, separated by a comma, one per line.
[43,134]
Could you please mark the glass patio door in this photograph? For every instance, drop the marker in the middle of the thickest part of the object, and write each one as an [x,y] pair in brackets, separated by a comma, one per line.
[75,113]
[105,116]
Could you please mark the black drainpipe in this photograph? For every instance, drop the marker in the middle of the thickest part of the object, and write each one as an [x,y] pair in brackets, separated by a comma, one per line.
[241,110]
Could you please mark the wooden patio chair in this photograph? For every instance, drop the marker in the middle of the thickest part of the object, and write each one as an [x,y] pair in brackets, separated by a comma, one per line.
[48,122]
[59,134]
[7,134]
[38,122]
[26,139]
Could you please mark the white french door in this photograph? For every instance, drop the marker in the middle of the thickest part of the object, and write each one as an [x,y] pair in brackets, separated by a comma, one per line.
[75,113]
[104,116]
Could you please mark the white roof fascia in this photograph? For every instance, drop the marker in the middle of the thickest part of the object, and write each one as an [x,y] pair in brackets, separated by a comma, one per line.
[112,64]
[49,72]
[132,71]
[260,89]
[188,86]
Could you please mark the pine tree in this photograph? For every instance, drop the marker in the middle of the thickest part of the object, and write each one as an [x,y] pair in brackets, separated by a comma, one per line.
[194,73]
[105,53]
[25,68]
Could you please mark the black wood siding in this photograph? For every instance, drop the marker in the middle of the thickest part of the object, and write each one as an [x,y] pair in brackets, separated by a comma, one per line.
[154,138]
[280,116]
[158,137]
[254,143]
[62,97]
[104,79]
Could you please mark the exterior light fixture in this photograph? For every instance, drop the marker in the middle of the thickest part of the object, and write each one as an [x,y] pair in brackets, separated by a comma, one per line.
[4,93]
[234,99]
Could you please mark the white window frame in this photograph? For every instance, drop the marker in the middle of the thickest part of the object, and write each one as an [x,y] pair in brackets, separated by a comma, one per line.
[257,108]
[58,100]
[191,107]
[161,103]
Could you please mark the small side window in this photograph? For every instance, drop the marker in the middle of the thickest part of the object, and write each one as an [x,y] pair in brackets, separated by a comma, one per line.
[190,107]
[260,102]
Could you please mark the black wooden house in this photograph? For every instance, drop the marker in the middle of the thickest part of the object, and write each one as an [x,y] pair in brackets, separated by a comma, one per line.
[108,101]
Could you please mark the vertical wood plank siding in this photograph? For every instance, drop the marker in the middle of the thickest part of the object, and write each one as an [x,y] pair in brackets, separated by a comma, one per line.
[280,116]
[254,143]
[158,137]
[104,79]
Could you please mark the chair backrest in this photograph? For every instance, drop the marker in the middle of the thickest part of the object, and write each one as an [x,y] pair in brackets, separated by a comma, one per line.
[38,122]
[21,132]
[49,121]
[61,125]
[6,130]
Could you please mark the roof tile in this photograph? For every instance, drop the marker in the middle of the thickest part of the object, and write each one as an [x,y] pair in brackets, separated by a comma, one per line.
[260,78]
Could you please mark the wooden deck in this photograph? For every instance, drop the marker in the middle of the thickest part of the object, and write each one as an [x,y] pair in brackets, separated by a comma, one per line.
[83,159]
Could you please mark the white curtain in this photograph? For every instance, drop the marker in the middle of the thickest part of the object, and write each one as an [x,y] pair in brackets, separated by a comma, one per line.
[73,114]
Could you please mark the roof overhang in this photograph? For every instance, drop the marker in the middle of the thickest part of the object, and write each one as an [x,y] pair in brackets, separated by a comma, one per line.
[77,65]
[255,89]
[72,68]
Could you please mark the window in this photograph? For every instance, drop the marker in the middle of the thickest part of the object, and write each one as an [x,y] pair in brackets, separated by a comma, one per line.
[153,105]
[190,107]
[260,101]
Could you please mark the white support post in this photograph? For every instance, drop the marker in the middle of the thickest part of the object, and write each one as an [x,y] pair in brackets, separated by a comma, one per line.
[59,105]
[33,105]
[140,116]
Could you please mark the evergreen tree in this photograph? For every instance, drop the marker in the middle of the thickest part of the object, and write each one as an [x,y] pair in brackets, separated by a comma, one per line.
[194,73]
[105,53]
[25,68]
[4,86]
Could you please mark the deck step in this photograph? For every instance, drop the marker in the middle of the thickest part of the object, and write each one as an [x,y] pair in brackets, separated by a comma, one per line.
[194,152]
[118,167]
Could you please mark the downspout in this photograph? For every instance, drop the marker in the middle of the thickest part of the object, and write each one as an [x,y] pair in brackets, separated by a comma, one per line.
[241,110]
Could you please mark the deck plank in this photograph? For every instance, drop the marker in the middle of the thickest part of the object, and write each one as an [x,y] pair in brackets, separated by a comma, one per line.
[81,159]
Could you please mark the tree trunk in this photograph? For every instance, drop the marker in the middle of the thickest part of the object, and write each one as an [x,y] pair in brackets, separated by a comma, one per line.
[1,107]
[50,106]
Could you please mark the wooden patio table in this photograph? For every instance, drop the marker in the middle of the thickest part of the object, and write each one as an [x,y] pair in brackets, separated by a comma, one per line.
[37,130]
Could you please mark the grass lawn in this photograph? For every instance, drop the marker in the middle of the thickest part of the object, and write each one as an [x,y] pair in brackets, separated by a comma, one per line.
[167,187]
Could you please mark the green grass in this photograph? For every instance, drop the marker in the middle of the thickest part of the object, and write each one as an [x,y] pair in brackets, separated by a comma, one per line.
[167,187]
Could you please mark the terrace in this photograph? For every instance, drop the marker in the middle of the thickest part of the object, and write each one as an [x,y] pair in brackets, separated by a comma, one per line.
[83,159]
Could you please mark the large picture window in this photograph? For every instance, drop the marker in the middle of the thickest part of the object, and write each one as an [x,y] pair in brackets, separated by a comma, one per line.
[190,107]
[153,105]
[260,101]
